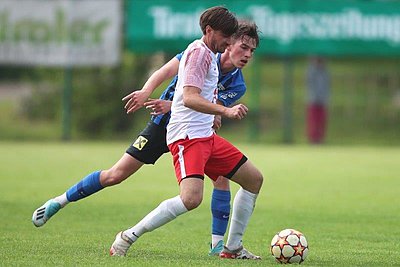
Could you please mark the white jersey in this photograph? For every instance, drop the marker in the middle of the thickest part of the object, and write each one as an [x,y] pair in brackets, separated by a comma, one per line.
[198,68]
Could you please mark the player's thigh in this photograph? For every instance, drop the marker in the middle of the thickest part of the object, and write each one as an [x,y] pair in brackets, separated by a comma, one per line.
[225,159]
[120,171]
[127,165]
[190,156]
[248,177]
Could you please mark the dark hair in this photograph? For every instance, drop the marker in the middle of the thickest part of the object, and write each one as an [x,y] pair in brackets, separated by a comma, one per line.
[247,28]
[219,18]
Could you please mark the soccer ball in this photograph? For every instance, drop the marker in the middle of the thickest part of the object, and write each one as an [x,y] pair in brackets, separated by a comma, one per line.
[289,246]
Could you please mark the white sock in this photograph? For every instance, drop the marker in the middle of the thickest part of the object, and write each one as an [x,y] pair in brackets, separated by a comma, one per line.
[62,199]
[165,212]
[215,239]
[243,206]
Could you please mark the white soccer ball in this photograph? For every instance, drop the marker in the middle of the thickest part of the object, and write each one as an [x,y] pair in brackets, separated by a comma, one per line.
[289,246]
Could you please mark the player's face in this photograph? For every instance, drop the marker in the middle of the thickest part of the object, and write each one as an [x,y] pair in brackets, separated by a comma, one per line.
[219,41]
[241,51]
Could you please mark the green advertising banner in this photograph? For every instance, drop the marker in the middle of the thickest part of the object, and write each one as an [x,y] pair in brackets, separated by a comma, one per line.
[288,27]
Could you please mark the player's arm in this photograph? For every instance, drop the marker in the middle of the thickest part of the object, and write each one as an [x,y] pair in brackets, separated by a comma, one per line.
[193,100]
[136,99]
[225,98]
[217,119]
[158,106]
[196,68]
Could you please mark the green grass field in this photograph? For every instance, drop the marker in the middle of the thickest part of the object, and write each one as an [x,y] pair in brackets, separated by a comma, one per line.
[346,200]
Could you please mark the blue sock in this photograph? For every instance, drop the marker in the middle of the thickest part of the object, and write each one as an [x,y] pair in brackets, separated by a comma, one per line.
[87,186]
[220,208]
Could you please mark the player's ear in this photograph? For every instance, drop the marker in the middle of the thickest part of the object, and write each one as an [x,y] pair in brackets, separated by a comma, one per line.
[209,29]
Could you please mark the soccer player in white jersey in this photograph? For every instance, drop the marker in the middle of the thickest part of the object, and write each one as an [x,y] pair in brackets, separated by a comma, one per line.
[196,149]
[231,87]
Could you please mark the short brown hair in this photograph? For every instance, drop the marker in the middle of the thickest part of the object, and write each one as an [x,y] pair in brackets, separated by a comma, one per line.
[247,28]
[219,18]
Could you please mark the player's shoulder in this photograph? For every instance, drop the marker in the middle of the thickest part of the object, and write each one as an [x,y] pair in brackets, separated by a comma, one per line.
[199,45]
[237,74]
[199,52]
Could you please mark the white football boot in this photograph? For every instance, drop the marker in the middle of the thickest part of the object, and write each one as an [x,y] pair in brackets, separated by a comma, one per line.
[240,253]
[43,214]
[121,245]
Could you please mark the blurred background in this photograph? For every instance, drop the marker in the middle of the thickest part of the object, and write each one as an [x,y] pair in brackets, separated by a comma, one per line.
[326,72]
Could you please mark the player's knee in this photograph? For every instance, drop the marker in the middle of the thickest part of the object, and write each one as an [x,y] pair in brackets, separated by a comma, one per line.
[191,202]
[258,180]
[255,182]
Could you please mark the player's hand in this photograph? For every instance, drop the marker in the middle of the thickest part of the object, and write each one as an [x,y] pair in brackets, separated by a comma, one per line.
[217,122]
[236,112]
[135,100]
[158,106]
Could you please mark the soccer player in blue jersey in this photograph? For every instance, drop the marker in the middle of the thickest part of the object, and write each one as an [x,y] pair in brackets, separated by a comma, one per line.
[150,144]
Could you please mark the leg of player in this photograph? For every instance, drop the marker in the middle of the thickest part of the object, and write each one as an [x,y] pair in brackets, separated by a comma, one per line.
[89,185]
[220,209]
[191,195]
[250,179]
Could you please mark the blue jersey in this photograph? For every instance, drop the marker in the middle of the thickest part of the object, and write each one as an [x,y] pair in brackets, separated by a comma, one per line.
[231,87]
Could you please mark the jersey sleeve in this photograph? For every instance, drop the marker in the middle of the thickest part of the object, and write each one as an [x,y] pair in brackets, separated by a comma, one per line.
[198,62]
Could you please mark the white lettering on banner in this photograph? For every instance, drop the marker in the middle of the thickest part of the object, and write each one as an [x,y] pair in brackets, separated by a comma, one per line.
[169,24]
[350,24]
[347,24]
[60,33]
